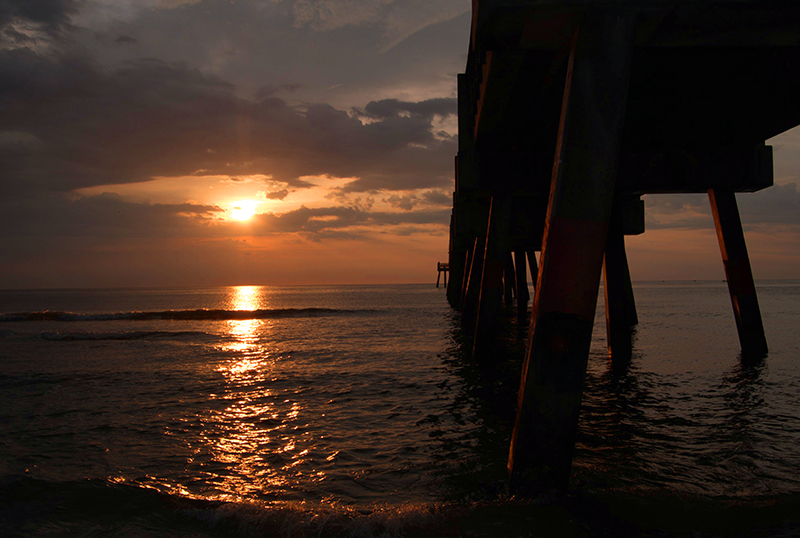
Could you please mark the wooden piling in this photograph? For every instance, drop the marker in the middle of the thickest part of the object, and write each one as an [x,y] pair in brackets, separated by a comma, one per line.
[523,295]
[579,208]
[473,290]
[509,280]
[620,306]
[534,267]
[467,274]
[458,265]
[738,272]
[491,288]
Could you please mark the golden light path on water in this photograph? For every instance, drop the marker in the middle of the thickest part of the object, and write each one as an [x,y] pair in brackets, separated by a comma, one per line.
[252,436]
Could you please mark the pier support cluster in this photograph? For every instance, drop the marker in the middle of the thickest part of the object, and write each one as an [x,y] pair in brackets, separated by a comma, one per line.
[569,112]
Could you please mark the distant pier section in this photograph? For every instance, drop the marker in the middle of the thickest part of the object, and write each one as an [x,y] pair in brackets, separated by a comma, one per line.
[569,112]
[442,269]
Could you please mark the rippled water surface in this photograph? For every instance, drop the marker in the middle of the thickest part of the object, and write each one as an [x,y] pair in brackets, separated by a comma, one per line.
[362,396]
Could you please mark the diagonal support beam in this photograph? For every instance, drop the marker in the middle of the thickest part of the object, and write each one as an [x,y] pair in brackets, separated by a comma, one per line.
[472,288]
[579,208]
[738,272]
[467,274]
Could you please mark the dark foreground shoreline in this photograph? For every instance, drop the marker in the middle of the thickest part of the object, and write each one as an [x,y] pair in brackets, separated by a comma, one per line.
[30,507]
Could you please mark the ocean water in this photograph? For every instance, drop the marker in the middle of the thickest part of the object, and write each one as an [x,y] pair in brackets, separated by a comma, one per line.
[355,411]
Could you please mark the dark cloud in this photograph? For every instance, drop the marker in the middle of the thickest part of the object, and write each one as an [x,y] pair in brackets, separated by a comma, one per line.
[428,216]
[406,201]
[47,219]
[258,45]
[421,172]
[151,118]
[346,199]
[390,108]
[674,203]
[269,90]
[126,40]
[147,118]
[779,204]
[51,13]
[405,231]
[438,198]
[324,219]
[276,195]
[104,216]
[305,219]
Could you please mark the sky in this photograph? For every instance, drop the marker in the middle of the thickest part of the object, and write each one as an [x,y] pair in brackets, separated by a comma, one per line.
[138,136]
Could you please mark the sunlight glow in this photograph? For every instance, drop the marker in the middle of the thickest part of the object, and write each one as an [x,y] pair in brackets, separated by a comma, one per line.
[243,209]
[245,298]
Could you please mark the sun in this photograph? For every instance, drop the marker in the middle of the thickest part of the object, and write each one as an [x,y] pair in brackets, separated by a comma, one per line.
[243,209]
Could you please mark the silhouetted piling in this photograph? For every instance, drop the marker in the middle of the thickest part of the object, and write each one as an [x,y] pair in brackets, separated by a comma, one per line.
[572,251]
[621,315]
[509,280]
[737,270]
[521,273]
[491,291]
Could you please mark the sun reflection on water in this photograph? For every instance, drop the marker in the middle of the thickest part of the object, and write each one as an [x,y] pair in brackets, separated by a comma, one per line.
[247,298]
[249,444]
[245,332]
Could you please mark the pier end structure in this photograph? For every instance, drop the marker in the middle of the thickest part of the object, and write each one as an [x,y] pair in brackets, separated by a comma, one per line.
[706,83]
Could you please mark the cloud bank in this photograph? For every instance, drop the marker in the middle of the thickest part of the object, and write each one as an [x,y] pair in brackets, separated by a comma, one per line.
[340,114]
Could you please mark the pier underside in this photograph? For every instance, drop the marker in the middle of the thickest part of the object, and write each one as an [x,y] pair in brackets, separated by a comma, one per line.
[568,113]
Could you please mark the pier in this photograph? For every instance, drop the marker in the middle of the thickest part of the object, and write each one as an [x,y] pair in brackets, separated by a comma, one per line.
[442,269]
[569,112]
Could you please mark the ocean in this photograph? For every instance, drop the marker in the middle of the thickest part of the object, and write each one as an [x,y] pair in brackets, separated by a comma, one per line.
[355,411]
